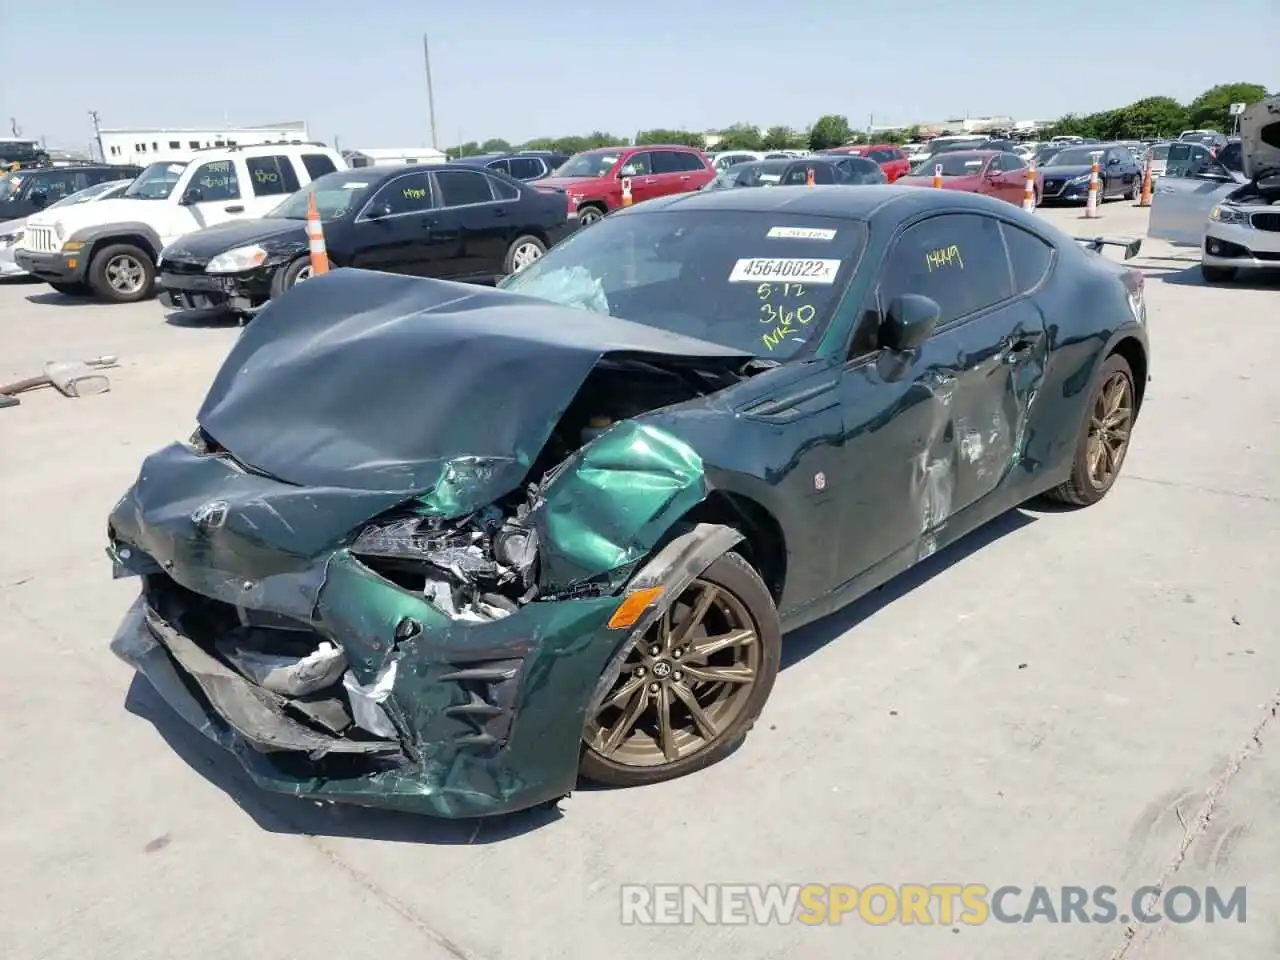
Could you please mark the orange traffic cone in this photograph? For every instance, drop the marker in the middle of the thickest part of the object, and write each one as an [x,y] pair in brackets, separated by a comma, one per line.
[1091,202]
[626,191]
[808,177]
[315,237]
[937,176]
[1145,201]
[1029,191]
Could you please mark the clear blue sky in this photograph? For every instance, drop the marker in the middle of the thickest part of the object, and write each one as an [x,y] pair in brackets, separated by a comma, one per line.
[355,70]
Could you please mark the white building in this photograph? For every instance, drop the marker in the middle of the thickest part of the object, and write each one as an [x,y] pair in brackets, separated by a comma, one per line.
[372,156]
[144,145]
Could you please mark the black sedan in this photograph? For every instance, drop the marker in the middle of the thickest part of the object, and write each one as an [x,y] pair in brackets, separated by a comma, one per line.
[825,169]
[1066,173]
[447,548]
[434,220]
[526,166]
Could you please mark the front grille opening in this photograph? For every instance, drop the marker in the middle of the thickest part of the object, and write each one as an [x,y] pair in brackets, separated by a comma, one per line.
[223,631]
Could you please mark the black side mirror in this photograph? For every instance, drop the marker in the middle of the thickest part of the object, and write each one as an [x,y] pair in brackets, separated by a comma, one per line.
[908,322]
[38,198]
[193,195]
[378,210]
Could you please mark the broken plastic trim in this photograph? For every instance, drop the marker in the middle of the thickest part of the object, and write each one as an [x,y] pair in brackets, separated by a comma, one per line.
[1095,244]
[673,569]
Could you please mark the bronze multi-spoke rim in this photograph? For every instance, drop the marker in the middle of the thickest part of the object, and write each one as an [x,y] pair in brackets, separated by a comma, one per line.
[1109,430]
[682,684]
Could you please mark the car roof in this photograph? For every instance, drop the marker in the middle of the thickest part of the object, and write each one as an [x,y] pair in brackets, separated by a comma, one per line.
[77,166]
[841,201]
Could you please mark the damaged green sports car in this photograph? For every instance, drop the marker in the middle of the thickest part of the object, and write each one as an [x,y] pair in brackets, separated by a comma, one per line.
[447,549]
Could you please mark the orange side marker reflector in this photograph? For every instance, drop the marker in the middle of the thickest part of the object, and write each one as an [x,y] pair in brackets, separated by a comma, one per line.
[632,606]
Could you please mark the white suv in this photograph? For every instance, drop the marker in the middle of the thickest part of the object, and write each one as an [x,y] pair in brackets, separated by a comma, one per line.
[111,248]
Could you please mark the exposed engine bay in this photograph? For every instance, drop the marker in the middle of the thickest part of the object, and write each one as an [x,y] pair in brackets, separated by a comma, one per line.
[485,566]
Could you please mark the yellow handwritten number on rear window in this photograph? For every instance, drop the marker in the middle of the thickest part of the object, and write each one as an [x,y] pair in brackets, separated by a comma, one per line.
[415,193]
[944,257]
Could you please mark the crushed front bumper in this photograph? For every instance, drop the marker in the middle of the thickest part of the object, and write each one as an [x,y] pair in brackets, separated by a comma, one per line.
[190,290]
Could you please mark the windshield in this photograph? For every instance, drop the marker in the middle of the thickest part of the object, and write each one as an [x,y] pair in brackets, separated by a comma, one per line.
[157,181]
[109,187]
[954,165]
[1076,157]
[337,194]
[766,173]
[10,185]
[593,164]
[761,283]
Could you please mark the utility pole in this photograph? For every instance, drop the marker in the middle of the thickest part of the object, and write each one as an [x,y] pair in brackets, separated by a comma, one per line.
[97,135]
[431,96]
[13,126]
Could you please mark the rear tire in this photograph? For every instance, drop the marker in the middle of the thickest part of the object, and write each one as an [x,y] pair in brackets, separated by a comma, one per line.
[523,251]
[122,273]
[71,289]
[1217,274]
[735,603]
[1104,436]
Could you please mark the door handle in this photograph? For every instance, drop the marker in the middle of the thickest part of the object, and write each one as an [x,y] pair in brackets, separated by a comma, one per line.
[499,211]
[235,208]
[647,181]
[685,177]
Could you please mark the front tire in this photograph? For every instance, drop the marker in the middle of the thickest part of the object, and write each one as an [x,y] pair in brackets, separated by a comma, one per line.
[295,273]
[1104,436]
[122,273]
[692,687]
[1217,274]
[589,214]
[523,251]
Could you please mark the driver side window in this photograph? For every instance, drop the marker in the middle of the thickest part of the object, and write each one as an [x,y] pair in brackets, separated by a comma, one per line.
[215,180]
[639,165]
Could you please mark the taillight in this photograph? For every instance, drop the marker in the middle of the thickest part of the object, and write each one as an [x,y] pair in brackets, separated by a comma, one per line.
[1135,287]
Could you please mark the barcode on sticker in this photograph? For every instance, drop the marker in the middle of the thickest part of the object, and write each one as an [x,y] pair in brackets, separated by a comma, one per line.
[755,269]
[800,233]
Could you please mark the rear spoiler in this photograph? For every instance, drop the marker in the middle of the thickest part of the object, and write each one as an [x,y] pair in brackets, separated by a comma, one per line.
[1095,244]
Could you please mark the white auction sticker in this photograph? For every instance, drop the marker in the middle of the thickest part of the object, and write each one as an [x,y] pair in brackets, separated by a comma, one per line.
[801,270]
[800,233]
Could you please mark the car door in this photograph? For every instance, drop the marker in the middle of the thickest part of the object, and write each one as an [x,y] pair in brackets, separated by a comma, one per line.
[214,194]
[1015,177]
[934,432]
[670,172]
[639,168]
[393,231]
[468,209]
[1191,186]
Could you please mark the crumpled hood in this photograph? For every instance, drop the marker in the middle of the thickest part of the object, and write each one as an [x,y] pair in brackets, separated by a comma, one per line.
[376,382]
[201,246]
[1260,137]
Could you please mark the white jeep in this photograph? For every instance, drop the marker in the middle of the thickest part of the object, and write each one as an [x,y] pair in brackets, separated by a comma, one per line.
[111,248]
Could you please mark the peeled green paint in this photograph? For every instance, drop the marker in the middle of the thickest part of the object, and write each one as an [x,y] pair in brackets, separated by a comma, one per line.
[613,501]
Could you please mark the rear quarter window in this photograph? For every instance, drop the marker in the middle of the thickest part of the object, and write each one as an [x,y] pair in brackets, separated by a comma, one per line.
[1030,256]
[317,165]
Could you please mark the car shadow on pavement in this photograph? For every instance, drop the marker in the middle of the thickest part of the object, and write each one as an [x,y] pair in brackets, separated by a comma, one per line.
[279,813]
[196,319]
[55,299]
[1191,277]
[811,638]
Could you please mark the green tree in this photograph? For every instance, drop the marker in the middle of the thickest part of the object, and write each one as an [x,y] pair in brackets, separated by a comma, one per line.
[1151,117]
[778,138]
[496,145]
[740,136]
[1209,110]
[468,149]
[829,131]
[685,137]
[597,138]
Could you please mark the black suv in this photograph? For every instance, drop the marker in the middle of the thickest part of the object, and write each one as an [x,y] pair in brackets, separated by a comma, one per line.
[25,191]
[527,165]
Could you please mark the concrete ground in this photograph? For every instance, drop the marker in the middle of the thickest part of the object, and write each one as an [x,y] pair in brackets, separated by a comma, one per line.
[1066,698]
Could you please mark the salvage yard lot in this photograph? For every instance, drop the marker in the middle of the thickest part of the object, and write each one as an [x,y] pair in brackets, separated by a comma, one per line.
[1051,701]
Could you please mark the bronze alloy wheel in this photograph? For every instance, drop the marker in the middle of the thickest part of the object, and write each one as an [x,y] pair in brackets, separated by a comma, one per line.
[1109,430]
[692,686]
[1103,438]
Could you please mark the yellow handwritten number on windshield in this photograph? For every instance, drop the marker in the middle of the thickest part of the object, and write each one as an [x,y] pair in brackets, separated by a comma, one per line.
[944,257]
